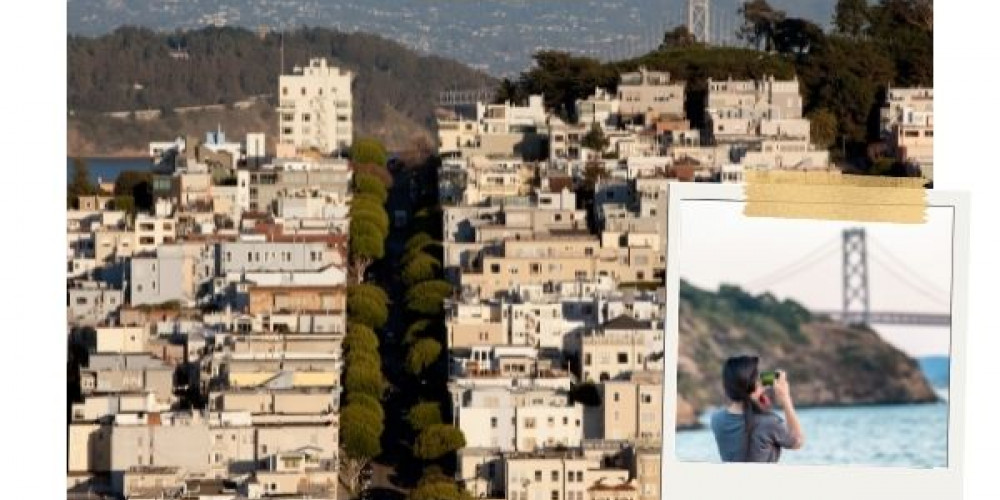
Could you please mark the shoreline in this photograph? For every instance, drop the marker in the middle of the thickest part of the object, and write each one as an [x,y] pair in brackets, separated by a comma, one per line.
[699,426]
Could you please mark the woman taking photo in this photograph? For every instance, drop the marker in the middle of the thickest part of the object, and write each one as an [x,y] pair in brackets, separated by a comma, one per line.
[747,430]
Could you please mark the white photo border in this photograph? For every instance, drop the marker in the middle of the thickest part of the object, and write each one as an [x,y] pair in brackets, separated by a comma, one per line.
[697,481]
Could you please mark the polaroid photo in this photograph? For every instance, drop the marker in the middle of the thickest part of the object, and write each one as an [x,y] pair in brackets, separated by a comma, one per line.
[845,340]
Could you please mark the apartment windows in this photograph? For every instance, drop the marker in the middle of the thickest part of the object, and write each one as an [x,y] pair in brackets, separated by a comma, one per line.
[555,475]
[538,475]
[529,423]
[287,117]
[552,421]
[555,494]
[287,131]
[493,422]
[536,268]
[306,117]
[495,268]
[565,420]
[616,397]
[587,359]
[646,398]
[622,358]
[303,91]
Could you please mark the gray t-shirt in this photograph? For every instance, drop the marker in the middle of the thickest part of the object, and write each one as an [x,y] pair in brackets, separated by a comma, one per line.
[770,435]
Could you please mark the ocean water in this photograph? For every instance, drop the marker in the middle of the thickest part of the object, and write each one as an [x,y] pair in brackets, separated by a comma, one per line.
[107,169]
[893,436]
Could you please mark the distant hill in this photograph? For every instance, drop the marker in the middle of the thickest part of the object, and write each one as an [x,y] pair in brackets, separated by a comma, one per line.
[828,364]
[131,68]
[937,369]
[500,35]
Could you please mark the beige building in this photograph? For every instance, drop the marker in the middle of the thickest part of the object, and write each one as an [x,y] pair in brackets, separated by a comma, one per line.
[518,419]
[315,107]
[619,347]
[651,93]
[745,110]
[632,407]
[907,122]
[568,475]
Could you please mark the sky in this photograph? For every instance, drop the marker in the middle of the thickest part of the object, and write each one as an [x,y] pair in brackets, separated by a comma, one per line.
[909,265]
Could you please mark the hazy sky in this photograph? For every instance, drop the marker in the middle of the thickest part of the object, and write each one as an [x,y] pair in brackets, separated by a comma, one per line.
[720,245]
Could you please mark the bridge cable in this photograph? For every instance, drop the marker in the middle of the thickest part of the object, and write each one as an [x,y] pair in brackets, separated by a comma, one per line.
[907,270]
[810,259]
[930,294]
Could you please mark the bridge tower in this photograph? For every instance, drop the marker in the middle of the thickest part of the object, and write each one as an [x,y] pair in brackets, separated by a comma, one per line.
[698,15]
[856,304]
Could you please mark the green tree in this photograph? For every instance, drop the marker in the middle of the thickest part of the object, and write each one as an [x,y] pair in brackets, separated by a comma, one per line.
[422,354]
[365,379]
[137,184]
[79,184]
[378,220]
[759,23]
[367,310]
[360,441]
[369,184]
[378,171]
[850,17]
[421,267]
[368,150]
[368,402]
[367,244]
[369,290]
[125,204]
[427,298]
[678,37]
[423,415]
[360,336]
[796,36]
[363,357]
[437,440]
[439,488]
[416,330]
[418,242]
[595,139]
[823,127]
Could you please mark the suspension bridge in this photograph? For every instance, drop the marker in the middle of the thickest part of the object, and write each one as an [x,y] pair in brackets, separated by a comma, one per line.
[857,260]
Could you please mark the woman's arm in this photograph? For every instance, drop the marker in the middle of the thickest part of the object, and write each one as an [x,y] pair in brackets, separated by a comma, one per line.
[784,397]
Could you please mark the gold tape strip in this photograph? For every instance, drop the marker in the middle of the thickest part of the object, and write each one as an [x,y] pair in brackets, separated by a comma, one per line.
[835,196]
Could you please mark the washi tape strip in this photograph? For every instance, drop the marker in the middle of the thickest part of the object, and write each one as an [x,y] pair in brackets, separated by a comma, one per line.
[835,196]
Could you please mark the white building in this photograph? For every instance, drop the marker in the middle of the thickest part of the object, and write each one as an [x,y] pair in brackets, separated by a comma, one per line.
[315,107]
[518,419]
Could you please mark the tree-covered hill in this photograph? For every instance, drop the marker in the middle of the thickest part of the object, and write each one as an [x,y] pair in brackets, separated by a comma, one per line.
[843,72]
[131,68]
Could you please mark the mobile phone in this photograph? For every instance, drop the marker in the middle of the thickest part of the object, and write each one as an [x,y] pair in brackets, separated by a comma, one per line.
[768,378]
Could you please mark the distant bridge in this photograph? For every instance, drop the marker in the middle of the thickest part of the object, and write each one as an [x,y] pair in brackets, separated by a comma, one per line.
[853,249]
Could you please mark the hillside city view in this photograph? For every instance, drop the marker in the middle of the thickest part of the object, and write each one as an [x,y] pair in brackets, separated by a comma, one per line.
[298,267]
[495,36]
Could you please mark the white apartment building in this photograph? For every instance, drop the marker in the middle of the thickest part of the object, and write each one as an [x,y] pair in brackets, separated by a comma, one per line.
[518,419]
[907,123]
[315,107]
[745,110]
[650,93]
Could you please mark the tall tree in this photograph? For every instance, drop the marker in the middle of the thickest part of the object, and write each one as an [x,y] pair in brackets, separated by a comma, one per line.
[422,354]
[360,435]
[850,17]
[437,440]
[79,184]
[678,37]
[759,23]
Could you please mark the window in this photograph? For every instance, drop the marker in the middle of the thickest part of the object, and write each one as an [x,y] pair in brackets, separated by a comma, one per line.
[646,398]
[529,423]
[284,90]
[616,397]
[555,494]
[587,359]
[303,91]
[495,268]
[493,422]
[622,358]
[538,475]
[81,301]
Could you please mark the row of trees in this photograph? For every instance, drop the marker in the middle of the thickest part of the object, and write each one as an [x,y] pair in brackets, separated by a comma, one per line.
[362,418]
[434,441]
[843,73]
